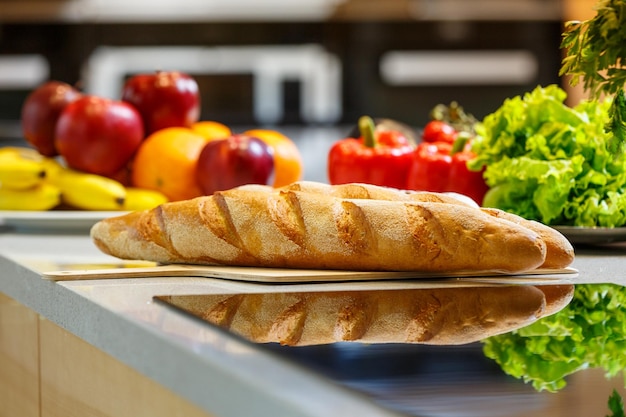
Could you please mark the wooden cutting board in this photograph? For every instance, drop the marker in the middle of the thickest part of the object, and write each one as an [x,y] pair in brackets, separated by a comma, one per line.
[282,275]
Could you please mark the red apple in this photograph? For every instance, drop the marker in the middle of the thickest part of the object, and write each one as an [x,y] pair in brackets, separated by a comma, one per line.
[164,99]
[40,113]
[237,160]
[98,135]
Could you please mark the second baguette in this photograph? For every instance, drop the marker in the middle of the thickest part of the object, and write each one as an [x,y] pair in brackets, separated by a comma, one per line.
[559,251]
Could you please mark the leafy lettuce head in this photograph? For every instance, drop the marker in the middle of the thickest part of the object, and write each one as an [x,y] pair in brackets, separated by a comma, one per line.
[549,162]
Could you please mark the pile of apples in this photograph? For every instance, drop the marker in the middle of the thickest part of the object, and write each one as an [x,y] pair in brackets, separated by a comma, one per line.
[100,135]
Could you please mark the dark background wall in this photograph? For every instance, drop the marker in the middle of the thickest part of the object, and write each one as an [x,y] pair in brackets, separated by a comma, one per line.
[359,45]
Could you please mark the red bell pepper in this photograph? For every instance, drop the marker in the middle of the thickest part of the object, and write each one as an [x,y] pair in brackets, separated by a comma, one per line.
[377,157]
[442,167]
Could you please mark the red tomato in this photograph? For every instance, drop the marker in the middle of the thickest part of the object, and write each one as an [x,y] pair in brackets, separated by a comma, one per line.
[438,131]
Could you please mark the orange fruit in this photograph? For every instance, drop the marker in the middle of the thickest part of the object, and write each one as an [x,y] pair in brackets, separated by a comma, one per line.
[211,130]
[166,162]
[288,165]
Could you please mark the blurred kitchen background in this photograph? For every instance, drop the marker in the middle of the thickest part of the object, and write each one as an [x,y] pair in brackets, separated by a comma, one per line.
[309,68]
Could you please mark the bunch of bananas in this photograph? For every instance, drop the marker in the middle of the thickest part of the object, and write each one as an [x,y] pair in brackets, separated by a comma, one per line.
[31,181]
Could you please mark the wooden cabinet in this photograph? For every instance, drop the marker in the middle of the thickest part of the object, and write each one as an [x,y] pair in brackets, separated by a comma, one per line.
[19,360]
[46,371]
[78,380]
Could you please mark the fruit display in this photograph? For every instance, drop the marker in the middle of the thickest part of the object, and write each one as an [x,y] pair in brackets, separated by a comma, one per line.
[164,99]
[241,159]
[98,135]
[211,129]
[94,153]
[20,168]
[31,181]
[288,166]
[40,113]
[166,162]
[23,184]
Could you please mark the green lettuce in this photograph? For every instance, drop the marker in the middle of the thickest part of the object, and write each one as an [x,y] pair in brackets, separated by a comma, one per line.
[589,333]
[549,162]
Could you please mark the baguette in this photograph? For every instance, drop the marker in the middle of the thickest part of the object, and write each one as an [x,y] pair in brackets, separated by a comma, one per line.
[559,251]
[374,192]
[290,228]
[435,316]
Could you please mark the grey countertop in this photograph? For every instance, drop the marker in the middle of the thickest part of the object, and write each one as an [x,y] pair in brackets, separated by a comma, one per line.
[210,367]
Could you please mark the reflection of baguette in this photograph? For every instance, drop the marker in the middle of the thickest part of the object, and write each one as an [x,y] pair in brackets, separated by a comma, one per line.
[557,297]
[439,316]
[305,229]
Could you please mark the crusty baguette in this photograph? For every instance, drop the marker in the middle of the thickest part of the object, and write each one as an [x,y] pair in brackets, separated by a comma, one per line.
[559,251]
[301,229]
[375,192]
[437,316]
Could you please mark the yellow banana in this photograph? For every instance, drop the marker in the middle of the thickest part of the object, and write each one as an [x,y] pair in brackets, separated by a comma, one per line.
[41,197]
[89,191]
[53,169]
[142,199]
[20,169]
[22,152]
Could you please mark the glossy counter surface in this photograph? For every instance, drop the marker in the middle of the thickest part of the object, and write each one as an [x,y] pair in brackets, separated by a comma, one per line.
[209,367]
